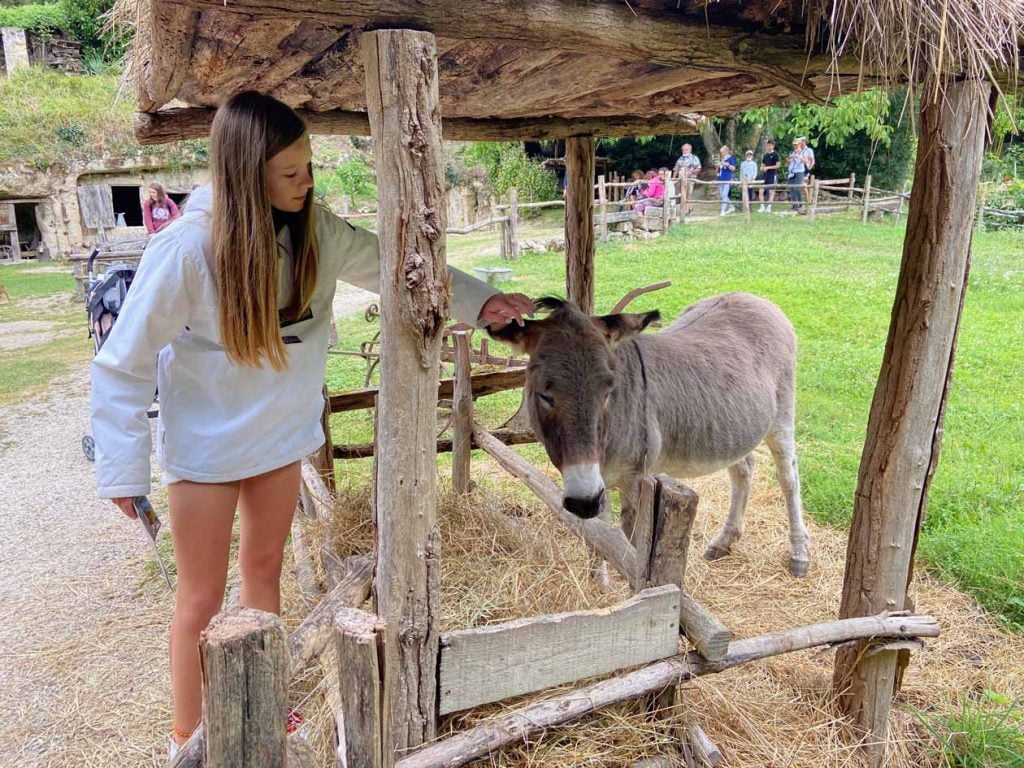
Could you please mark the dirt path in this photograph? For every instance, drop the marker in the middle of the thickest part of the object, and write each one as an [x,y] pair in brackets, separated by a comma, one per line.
[83,631]
[83,636]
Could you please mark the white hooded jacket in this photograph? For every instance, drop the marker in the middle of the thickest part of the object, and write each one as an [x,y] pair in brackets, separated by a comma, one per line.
[220,421]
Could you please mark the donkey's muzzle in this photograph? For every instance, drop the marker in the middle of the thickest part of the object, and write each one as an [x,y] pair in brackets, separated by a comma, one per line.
[585,508]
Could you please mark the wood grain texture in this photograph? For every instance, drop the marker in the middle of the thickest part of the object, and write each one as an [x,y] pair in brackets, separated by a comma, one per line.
[178,123]
[401,93]
[905,424]
[462,415]
[708,635]
[245,667]
[675,510]
[516,726]
[488,664]
[358,642]
[579,221]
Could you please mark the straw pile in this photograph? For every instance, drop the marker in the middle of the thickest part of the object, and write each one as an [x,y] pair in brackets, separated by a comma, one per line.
[773,713]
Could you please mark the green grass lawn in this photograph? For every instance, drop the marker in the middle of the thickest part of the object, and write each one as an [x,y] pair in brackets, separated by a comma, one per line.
[46,311]
[836,281]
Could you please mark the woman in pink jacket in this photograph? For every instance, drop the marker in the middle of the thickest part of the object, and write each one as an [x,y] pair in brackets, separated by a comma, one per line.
[158,210]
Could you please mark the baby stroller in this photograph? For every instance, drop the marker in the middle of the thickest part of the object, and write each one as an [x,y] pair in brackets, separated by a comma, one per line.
[104,298]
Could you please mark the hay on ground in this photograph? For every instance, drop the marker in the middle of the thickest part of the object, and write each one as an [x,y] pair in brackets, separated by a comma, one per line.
[505,556]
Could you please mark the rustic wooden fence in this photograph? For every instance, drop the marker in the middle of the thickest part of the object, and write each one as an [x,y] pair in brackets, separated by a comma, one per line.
[249,661]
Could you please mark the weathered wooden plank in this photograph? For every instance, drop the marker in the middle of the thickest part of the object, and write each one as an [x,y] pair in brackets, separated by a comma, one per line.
[579,221]
[245,685]
[97,206]
[358,638]
[175,124]
[518,725]
[904,432]
[483,384]
[401,94]
[614,30]
[493,663]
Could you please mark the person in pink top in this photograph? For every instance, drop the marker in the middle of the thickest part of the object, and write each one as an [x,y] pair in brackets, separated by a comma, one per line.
[653,195]
[158,210]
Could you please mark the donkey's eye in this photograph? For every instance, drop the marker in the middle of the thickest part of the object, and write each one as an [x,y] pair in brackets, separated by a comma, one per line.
[545,400]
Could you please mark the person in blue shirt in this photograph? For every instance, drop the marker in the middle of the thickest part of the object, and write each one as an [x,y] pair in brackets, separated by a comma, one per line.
[726,168]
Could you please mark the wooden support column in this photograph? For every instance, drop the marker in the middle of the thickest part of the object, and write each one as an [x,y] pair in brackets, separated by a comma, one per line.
[867,198]
[579,221]
[905,426]
[323,459]
[245,687]
[402,101]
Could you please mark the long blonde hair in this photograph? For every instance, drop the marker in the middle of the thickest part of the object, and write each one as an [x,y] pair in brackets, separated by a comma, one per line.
[248,130]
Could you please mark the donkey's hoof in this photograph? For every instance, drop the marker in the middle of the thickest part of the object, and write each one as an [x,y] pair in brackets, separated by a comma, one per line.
[799,567]
[715,552]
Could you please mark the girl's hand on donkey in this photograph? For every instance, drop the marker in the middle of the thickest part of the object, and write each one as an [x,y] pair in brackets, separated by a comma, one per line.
[125,504]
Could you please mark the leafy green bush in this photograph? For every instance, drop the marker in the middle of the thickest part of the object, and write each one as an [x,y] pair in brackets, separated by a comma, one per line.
[87,21]
[347,177]
[508,166]
[36,17]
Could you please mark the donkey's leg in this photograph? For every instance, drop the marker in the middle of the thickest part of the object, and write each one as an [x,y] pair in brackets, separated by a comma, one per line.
[782,444]
[740,474]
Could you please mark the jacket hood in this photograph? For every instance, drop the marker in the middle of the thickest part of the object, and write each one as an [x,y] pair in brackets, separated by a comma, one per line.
[201,200]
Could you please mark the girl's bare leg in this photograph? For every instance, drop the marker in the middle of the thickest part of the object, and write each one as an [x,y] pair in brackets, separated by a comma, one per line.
[267,504]
[201,517]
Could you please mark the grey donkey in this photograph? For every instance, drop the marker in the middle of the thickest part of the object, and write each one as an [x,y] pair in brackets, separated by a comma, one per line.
[611,405]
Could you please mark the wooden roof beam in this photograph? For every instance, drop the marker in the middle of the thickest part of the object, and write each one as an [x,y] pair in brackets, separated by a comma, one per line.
[606,28]
[194,123]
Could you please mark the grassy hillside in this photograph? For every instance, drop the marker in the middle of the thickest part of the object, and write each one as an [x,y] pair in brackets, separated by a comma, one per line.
[50,119]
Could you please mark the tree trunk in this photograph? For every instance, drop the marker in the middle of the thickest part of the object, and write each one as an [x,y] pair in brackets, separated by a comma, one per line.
[579,221]
[401,87]
[905,426]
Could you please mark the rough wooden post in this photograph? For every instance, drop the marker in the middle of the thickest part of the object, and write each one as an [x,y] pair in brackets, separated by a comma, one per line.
[849,194]
[579,221]
[602,198]
[866,199]
[402,102]
[245,682]
[462,414]
[358,640]
[812,214]
[512,229]
[905,426]
[745,202]
[323,459]
[674,511]
[504,239]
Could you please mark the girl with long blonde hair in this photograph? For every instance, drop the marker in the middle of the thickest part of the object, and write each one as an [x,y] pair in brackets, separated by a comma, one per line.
[230,315]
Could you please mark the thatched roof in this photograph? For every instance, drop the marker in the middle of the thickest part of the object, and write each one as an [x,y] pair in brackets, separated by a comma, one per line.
[542,68]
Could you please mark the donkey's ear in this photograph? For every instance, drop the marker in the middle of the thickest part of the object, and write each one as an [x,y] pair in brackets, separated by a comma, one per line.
[522,338]
[618,328]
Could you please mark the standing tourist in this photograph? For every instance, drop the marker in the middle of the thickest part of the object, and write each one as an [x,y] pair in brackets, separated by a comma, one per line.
[770,166]
[158,210]
[795,176]
[726,169]
[686,170]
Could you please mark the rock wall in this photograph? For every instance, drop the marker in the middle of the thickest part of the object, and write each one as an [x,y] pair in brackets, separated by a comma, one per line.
[58,215]
[15,48]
